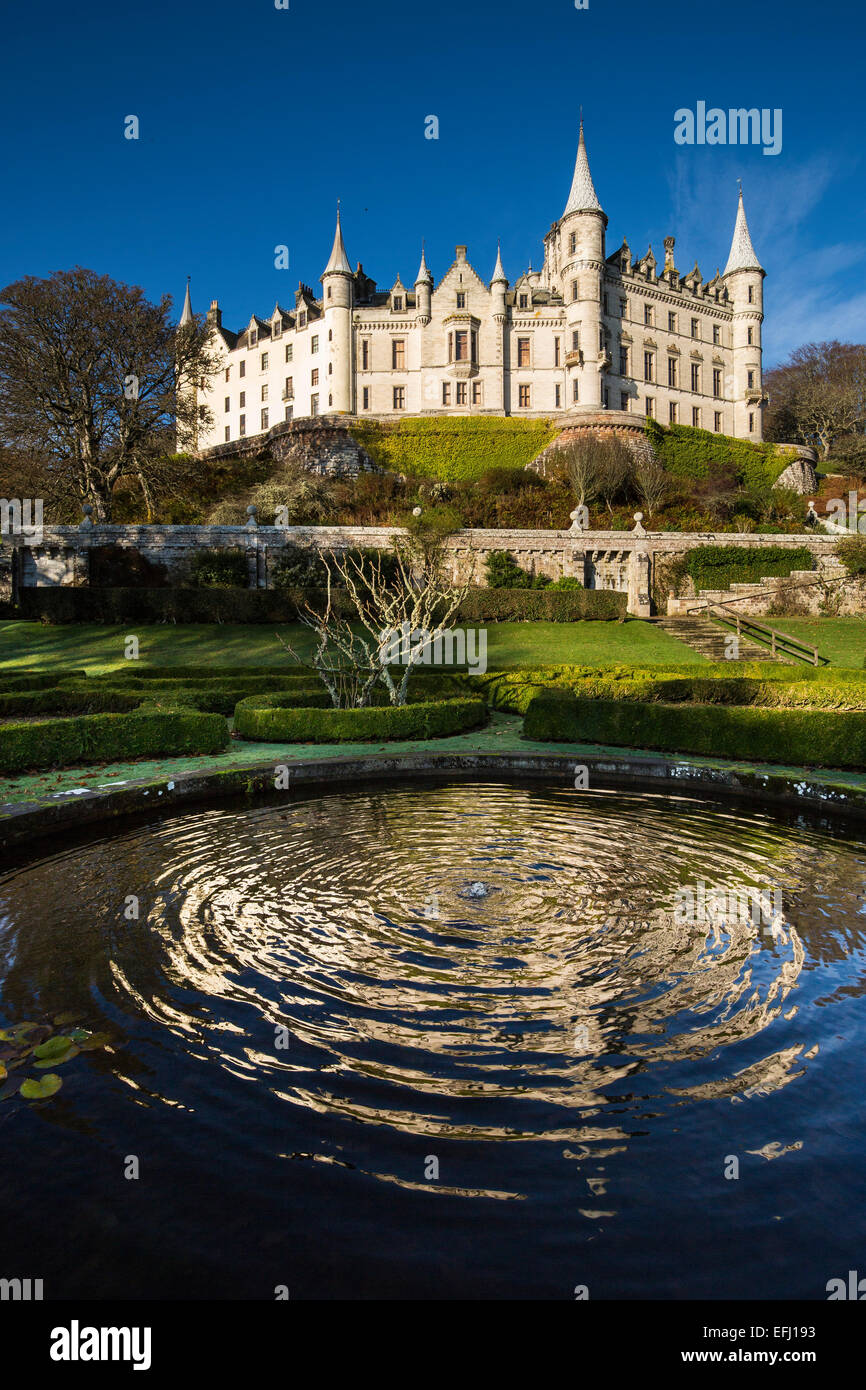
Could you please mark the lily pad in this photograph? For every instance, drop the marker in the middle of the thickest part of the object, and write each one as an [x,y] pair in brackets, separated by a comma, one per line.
[58,1058]
[61,1019]
[78,1035]
[52,1046]
[10,1089]
[18,1032]
[94,1041]
[2,1071]
[46,1086]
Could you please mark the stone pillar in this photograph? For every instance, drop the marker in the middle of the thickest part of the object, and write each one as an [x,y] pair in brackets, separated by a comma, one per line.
[639,584]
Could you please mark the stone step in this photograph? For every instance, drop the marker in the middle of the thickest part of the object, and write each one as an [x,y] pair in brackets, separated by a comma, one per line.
[709,640]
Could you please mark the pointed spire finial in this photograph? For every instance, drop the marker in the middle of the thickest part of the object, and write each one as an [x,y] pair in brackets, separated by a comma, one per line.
[423,276]
[186,313]
[742,255]
[499,276]
[339,261]
[583,197]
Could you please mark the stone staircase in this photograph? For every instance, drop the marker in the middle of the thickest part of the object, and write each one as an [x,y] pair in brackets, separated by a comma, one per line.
[708,639]
[761,589]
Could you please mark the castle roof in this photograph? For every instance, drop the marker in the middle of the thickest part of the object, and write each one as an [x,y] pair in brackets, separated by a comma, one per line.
[742,255]
[339,262]
[423,276]
[583,197]
[499,276]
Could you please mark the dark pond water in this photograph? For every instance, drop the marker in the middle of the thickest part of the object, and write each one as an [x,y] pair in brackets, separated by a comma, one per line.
[510,1069]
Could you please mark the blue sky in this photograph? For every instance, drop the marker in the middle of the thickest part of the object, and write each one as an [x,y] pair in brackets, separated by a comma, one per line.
[254,120]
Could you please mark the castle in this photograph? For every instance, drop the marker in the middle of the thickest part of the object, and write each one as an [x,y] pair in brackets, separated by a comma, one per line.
[587,332]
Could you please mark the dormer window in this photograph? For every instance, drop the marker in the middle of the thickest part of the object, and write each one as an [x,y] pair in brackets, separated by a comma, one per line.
[398,303]
[302,319]
[277,328]
[523,301]
[254,337]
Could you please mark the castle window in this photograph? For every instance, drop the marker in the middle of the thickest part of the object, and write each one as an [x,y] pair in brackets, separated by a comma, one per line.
[243,399]
[696,376]
[398,303]
[574,289]
[330,368]
[314,377]
[575,389]
[606,398]
[264,361]
[717,335]
[314,405]
[750,336]
[330,335]
[264,419]
[751,294]
[623,400]
[557,395]
[329,291]
[289,410]
[302,319]
[606,310]
[717,382]
[330,400]
[264,393]
[242,369]
[672,371]
[314,343]
[575,340]
[365,398]
[623,361]
[648,366]
[365,354]
[556,352]
[648,315]
[228,404]
[277,329]
[399,397]
[751,423]
[696,328]
[289,392]
[476,393]
[649,406]
[461,300]
[524,397]
[461,345]
[460,393]
[672,323]
[228,434]
[523,352]
[750,380]
[717,421]
[446,393]
[572,243]
[228,372]
[523,302]
[696,417]
[622,308]
[242,425]
[672,412]
[253,337]
[398,354]
[289,349]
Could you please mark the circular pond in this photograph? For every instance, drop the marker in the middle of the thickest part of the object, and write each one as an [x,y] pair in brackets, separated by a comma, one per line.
[447,1040]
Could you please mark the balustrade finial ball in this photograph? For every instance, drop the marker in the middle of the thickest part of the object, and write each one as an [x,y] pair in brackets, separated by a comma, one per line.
[87,509]
[252,510]
[638,516]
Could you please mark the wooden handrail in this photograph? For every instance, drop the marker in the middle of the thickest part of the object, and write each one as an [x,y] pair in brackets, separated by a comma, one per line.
[778,640]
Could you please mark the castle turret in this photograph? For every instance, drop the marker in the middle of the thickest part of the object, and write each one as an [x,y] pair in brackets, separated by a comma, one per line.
[423,291]
[186,313]
[744,280]
[337,285]
[581,258]
[499,288]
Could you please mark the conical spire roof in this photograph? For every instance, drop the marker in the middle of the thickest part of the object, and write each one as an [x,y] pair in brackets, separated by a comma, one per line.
[423,276]
[186,313]
[583,197]
[499,275]
[339,262]
[742,256]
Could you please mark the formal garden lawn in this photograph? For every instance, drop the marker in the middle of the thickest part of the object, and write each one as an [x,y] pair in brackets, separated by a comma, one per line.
[841,640]
[96,648]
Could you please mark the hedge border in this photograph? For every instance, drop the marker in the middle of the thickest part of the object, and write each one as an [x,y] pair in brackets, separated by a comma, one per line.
[271,719]
[117,737]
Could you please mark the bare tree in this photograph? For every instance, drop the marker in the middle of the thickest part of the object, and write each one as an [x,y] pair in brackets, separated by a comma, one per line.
[581,464]
[94,380]
[400,613]
[818,395]
[652,483]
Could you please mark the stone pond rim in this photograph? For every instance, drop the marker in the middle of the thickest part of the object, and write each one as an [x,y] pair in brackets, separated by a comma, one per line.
[827,794]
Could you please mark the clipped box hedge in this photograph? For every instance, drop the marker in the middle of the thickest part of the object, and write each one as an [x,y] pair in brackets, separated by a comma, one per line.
[60,700]
[541,606]
[95,738]
[64,604]
[136,670]
[804,737]
[278,719]
[36,680]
